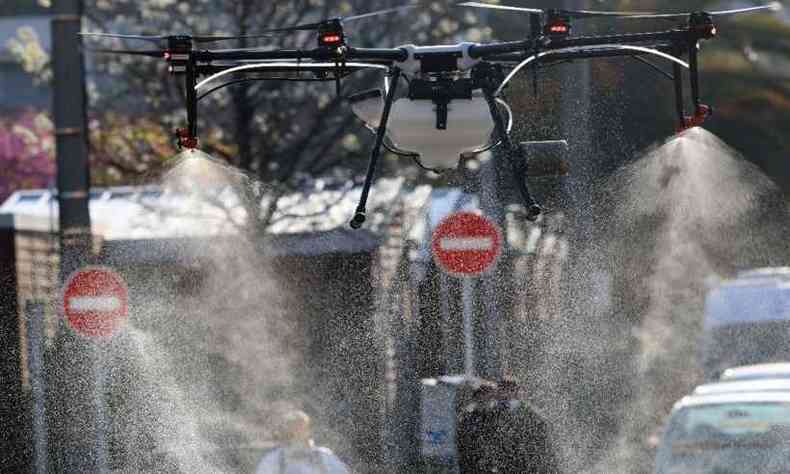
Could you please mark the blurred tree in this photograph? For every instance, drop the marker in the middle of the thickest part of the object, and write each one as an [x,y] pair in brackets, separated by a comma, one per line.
[23,7]
[26,152]
[280,132]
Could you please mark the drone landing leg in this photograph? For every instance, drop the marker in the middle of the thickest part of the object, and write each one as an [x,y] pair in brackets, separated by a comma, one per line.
[360,214]
[515,155]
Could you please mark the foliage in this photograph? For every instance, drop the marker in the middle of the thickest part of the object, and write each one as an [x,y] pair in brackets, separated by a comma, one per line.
[280,132]
[23,7]
[280,129]
[27,49]
[26,152]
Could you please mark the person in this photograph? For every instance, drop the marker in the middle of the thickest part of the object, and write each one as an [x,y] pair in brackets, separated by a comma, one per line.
[297,452]
[500,433]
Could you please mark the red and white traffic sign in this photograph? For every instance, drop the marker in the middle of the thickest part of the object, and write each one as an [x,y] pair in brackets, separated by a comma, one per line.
[466,244]
[95,302]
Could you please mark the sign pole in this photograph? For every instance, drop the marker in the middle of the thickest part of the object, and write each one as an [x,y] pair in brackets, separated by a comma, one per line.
[469,335]
[467,245]
[96,307]
[34,312]
[100,375]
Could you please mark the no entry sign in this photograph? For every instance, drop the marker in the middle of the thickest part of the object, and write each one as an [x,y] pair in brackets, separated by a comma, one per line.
[466,244]
[95,301]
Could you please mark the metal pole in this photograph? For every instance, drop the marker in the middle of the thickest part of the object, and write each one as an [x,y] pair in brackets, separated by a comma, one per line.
[73,177]
[34,312]
[469,337]
[100,374]
[71,418]
[492,202]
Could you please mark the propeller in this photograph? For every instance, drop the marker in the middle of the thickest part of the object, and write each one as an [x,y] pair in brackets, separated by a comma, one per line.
[773,6]
[556,11]
[158,39]
[153,53]
[318,25]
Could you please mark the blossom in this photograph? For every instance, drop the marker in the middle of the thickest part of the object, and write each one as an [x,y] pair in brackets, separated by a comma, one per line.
[27,154]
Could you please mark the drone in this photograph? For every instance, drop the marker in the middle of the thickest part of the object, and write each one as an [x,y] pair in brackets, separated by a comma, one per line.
[453,106]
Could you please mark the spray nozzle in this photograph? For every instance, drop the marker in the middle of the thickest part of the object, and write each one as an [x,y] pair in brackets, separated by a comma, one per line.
[185,140]
[700,115]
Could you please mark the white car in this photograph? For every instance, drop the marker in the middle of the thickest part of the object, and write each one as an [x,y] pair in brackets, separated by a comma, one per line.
[729,428]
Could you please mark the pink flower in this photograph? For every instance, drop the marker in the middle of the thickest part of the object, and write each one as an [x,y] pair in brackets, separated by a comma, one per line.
[26,152]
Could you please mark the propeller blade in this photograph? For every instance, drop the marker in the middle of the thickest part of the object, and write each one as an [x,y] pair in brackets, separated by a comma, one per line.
[238,50]
[594,13]
[317,25]
[381,12]
[500,7]
[570,13]
[773,6]
[149,53]
[159,39]
[288,29]
[154,39]
[212,39]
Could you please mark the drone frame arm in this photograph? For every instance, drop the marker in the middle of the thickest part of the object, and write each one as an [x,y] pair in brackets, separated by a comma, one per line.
[384,55]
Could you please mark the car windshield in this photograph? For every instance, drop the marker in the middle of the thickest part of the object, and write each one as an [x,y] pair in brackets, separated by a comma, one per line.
[727,438]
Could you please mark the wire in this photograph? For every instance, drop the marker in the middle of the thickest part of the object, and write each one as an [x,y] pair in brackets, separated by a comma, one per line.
[276,78]
[584,49]
[295,66]
[509,128]
[654,66]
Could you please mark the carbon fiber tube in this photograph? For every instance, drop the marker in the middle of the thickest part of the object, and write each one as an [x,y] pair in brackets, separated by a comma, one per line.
[372,54]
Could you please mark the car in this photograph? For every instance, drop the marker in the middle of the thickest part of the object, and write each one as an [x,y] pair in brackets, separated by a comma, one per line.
[747,321]
[729,428]
[757,371]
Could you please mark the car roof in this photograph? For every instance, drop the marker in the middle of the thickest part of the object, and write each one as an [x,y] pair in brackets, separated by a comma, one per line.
[726,397]
[759,385]
[757,371]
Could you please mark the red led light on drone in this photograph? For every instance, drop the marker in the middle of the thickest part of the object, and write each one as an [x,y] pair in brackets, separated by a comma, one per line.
[333,38]
[557,28]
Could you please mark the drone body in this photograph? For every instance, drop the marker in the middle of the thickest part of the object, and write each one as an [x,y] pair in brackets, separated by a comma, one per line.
[453,104]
